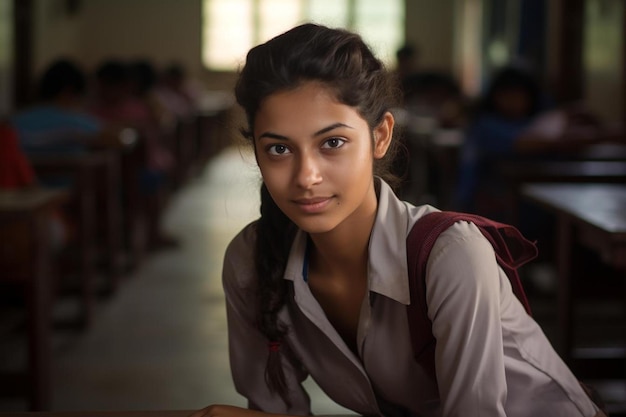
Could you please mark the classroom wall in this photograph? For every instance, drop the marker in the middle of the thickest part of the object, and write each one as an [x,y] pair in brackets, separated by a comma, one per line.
[6,57]
[431,26]
[161,30]
[603,50]
[57,32]
[166,30]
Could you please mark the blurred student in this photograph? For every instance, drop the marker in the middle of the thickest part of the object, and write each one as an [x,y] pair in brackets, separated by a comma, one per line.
[512,122]
[58,122]
[17,173]
[144,80]
[177,92]
[117,101]
[512,100]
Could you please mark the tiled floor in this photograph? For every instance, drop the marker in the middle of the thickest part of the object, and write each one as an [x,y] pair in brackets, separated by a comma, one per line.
[160,341]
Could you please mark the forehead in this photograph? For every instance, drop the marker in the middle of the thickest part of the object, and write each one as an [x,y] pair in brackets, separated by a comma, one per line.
[310,91]
[307,106]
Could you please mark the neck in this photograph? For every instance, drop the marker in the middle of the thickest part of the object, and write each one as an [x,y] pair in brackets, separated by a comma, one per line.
[343,252]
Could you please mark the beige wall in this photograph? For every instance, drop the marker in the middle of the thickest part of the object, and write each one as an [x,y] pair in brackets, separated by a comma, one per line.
[56,33]
[603,58]
[161,30]
[6,58]
[430,26]
[167,30]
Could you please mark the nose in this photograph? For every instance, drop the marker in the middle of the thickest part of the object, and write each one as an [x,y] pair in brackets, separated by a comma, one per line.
[308,172]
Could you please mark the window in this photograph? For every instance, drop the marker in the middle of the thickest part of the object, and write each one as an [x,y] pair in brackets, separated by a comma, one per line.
[232,27]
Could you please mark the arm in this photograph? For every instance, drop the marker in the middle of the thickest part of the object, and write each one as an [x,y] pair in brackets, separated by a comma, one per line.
[248,348]
[463,293]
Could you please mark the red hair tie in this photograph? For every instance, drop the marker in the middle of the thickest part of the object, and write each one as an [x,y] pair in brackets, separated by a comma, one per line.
[274,346]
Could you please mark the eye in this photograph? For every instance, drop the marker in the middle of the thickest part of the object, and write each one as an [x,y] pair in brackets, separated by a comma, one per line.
[277,149]
[334,143]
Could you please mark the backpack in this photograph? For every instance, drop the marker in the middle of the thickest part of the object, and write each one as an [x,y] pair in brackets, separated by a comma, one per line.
[512,251]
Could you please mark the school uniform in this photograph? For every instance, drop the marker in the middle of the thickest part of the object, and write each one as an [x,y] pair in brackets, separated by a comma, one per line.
[492,359]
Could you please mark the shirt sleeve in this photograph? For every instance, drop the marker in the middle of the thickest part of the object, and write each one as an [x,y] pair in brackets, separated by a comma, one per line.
[248,347]
[463,292]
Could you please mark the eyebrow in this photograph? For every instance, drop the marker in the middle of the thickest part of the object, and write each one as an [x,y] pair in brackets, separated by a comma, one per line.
[327,129]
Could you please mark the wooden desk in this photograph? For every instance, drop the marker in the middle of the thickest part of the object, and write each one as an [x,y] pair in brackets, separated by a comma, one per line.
[96,183]
[600,152]
[25,215]
[170,413]
[154,413]
[593,215]
[521,171]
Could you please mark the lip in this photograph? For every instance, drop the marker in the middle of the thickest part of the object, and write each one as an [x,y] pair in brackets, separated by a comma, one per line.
[313,205]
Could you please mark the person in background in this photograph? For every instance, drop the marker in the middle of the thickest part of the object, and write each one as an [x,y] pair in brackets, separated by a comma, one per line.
[175,92]
[513,122]
[318,285]
[119,100]
[512,100]
[17,173]
[59,122]
[144,82]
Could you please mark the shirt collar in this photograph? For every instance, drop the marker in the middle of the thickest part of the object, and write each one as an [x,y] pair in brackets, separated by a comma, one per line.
[388,264]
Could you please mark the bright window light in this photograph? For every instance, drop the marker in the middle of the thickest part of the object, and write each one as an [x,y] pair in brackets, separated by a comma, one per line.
[232,27]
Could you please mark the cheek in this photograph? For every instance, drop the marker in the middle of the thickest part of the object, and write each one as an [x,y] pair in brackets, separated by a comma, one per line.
[363,162]
[272,176]
[353,173]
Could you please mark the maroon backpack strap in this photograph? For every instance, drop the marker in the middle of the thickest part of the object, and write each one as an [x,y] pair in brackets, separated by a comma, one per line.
[512,251]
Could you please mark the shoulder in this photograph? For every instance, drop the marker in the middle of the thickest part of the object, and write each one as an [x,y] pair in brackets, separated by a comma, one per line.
[462,260]
[463,237]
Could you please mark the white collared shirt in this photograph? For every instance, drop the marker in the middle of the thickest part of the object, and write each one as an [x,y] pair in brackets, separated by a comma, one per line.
[492,359]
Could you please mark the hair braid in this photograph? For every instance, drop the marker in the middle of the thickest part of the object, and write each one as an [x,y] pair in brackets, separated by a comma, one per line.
[275,233]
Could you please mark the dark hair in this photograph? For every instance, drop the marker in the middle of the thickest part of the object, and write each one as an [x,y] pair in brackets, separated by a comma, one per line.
[113,72]
[143,75]
[512,77]
[62,75]
[340,60]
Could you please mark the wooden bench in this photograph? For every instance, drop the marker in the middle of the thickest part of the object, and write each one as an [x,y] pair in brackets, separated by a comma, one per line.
[96,201]
[26,260]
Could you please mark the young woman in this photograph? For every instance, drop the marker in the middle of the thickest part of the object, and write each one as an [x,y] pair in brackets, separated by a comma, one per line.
[319,284]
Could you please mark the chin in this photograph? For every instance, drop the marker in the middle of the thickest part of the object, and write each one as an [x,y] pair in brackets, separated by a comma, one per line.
[315,226]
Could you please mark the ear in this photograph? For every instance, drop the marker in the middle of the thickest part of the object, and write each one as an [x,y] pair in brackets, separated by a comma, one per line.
[383,134]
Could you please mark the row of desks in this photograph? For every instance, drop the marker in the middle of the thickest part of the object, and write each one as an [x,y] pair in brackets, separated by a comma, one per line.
[94,191]
[24,219]
[103,191]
